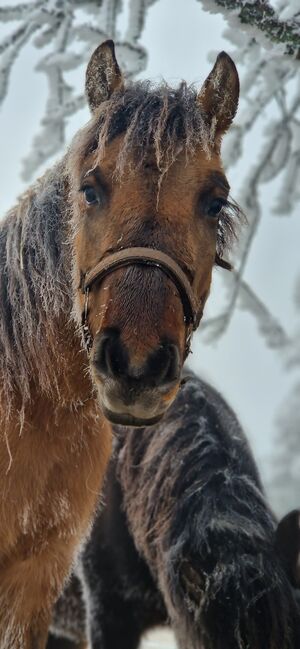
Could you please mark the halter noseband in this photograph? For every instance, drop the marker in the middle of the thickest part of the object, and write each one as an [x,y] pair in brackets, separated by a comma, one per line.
[145,257]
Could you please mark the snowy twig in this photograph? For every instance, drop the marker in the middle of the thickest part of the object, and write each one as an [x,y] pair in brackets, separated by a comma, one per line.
[259,15]
[56,23]
[272,330]
[251,201]
[266,79]
[252,207]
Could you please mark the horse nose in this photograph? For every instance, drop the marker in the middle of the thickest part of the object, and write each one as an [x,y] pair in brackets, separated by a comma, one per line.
[110,357]
[112,360]
[163,365]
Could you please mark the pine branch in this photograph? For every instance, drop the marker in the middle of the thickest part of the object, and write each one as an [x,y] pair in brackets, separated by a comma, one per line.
[261,16]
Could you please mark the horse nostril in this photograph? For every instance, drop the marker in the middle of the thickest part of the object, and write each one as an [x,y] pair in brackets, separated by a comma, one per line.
[110,357]
[174,367]
[111,360]
[164,365]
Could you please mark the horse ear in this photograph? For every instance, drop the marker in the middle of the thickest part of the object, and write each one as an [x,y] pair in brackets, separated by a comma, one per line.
[288,544]
[219,95]
[103,75]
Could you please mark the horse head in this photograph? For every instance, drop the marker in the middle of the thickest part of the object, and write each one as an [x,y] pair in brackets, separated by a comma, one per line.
[151,218]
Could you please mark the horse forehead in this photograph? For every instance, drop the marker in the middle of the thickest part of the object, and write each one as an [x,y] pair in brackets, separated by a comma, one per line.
[183,174]
[197,168]
[142,163]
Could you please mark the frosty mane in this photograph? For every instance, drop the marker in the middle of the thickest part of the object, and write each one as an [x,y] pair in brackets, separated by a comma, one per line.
[34,289]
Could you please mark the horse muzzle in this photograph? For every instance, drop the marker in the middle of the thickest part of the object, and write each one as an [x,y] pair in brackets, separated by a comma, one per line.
[131,394]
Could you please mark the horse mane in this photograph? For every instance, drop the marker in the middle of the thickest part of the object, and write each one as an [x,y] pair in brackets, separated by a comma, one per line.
[34,289]
[159,121]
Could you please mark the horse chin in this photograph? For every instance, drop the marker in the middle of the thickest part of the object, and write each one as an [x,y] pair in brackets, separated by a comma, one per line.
[126,419]
[126,409]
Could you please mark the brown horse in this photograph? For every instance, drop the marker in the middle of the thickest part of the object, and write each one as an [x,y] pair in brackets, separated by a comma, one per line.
[118,241]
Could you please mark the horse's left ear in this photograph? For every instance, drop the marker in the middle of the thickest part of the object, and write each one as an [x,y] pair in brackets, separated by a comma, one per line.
[219,95]
[103,75]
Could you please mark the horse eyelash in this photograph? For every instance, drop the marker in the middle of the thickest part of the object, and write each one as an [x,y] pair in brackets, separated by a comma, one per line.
[225,205]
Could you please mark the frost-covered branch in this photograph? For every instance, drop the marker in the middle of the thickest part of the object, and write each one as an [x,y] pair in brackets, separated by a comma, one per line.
[272,160]
[277,155]
[73,28]
[270,81]
[9,50]
[270,85]
[269,326]
[261,17]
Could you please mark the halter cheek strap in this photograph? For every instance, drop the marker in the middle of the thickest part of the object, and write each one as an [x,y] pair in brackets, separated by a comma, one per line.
[145,257]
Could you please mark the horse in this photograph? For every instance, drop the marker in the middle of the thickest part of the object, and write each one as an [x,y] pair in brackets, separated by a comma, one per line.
[105,268]
[185,538]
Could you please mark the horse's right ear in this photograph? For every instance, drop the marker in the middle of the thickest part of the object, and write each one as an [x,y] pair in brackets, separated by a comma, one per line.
[219,95]
[288,545]
[103,75]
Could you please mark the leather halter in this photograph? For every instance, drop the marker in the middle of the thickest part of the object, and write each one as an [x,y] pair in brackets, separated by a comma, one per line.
[145,257]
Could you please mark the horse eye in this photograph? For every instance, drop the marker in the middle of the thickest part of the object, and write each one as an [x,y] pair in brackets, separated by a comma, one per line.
[215,206]
[90,195]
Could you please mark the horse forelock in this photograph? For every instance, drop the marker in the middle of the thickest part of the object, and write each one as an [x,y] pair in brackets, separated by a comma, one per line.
[157,119]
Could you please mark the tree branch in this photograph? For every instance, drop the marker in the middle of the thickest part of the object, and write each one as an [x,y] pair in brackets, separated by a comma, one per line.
[271,329]
[260,15]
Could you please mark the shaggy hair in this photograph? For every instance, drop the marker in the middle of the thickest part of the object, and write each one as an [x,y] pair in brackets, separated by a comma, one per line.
[198,515]
[186,537]
[36,236]
[35,286]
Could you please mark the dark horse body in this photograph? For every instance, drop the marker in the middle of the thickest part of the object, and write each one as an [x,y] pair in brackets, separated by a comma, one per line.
[185,537]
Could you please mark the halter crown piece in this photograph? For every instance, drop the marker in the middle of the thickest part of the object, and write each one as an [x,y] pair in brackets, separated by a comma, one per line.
[144,257]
